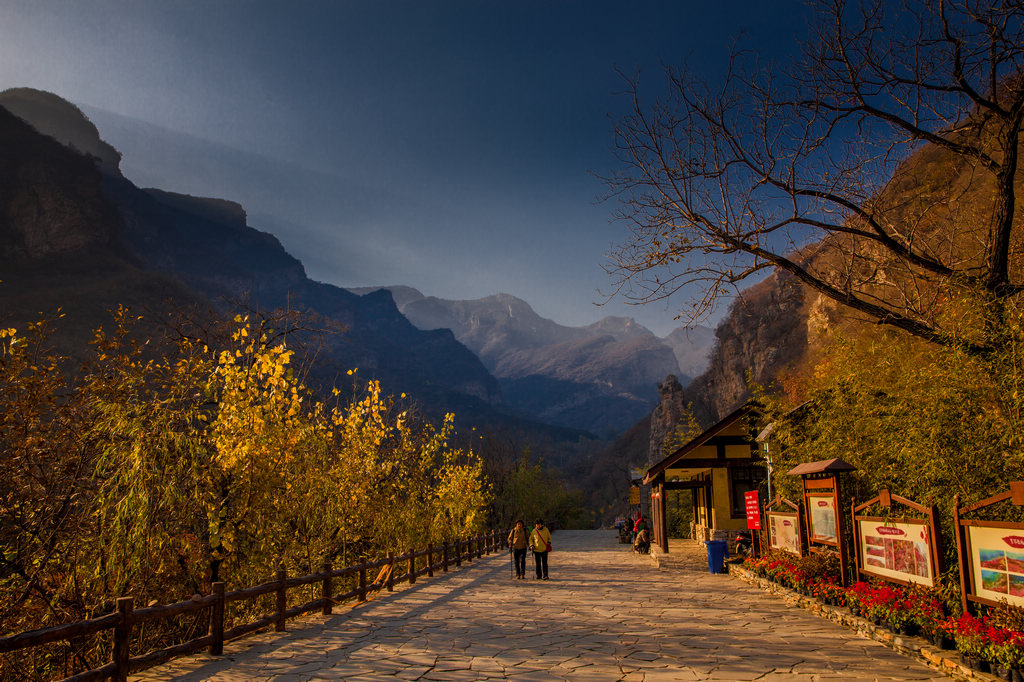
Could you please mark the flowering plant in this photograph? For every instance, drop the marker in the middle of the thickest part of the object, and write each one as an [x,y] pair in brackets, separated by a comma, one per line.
[1006,638]
[829,591]
[857,594]
[929,615]
[1007,648]
[971,635]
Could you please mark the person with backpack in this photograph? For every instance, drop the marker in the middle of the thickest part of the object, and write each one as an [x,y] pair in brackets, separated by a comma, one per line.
[540,543]
[518,540]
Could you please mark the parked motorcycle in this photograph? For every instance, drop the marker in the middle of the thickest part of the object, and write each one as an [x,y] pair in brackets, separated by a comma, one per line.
[743,543]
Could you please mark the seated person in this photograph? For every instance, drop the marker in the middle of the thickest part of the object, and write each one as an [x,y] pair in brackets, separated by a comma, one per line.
[642,544]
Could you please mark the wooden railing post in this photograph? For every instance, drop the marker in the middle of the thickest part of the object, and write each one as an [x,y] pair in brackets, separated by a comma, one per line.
[444,556]
[362,581]
[487,543]
[217,621]
[122,637]
[458,552]
[325,590]
[282,598]
[391,572]
[469,549]
[412,566]
[430,560]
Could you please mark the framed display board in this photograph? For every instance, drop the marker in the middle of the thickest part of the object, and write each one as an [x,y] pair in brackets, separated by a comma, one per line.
[784,526]
[997,562]
[821,488]
[823,517]
[897,549]
[991,553]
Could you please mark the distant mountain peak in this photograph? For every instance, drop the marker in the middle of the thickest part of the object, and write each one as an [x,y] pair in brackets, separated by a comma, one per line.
[597,377]
[58,118]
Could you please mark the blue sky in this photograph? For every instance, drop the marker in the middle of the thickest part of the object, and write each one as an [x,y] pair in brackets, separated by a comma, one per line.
[447,146]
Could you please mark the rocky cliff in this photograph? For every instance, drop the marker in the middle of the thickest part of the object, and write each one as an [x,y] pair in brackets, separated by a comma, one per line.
[667,415]
[61,120]
[51,201]
[766,330]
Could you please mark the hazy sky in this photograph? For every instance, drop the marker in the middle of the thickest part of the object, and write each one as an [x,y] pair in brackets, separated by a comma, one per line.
[443,145]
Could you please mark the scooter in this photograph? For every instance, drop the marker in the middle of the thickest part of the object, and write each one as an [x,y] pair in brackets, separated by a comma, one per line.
[743,544]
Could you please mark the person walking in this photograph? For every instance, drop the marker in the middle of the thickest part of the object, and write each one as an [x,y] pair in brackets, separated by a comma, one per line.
[518,540]
[540,543]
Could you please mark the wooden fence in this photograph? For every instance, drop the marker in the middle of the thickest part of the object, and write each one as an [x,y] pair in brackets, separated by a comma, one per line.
[125,616]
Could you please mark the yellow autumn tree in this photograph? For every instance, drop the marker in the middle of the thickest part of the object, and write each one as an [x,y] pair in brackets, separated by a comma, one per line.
[157,468]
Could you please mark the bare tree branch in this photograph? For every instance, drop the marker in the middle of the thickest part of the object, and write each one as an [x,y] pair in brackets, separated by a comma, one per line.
[717,184]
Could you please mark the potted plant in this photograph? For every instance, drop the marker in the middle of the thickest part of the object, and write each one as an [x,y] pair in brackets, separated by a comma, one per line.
[929,616]
[1007,648]
[855,597]
[971,642]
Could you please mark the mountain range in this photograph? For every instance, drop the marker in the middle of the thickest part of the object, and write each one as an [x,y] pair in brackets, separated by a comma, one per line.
[602,377]
[76,234]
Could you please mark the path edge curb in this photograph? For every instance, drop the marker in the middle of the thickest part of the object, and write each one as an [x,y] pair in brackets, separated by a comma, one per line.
[946,662]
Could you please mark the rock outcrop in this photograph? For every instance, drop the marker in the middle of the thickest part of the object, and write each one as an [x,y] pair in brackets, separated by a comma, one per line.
[665,417]
[61,120]
[51,199]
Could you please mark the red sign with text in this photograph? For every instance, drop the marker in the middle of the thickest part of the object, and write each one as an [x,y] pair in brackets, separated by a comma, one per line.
[753,510]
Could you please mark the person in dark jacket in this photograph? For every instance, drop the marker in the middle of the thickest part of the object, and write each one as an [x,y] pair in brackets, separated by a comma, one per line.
[518,540]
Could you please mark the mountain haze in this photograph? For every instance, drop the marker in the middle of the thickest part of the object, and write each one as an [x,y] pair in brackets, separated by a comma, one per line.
[87,239]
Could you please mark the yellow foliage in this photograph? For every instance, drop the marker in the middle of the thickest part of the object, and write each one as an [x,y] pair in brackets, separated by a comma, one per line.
[166,470]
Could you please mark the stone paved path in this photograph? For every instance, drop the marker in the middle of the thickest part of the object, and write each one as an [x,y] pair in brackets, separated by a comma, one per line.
[606,614]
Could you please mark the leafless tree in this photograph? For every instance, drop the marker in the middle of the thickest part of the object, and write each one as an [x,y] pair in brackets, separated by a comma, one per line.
[808,168]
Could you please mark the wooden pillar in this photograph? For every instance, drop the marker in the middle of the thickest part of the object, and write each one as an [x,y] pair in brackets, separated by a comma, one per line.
[663,517]
[430,560]
[444,556]
[362,581]
[391,572]
[122,638]
[653,521]
[844,558]
[325,589]
[282,598]
[412,566]
[217,621]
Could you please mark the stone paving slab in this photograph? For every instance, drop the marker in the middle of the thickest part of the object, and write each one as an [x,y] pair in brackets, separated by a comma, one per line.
[605,614]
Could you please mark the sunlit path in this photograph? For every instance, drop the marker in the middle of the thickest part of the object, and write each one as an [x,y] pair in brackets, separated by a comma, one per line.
[604,615]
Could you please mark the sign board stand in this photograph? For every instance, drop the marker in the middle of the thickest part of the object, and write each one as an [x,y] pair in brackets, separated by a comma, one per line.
[900,550]
[991,554]
[822,492]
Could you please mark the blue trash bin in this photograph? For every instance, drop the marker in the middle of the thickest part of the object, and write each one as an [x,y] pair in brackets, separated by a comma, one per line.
[718,550]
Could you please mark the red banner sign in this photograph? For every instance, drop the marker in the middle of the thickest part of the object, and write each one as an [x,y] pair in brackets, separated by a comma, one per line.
[753,510]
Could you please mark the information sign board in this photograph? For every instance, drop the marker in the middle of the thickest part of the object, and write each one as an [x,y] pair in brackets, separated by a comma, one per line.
[753,507]
[900,551]
[997,563]
[784,531]
[821,518]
